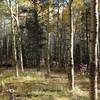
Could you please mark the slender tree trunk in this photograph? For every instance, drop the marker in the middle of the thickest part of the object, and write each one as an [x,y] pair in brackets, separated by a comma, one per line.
[87,38]
[48,54]
[70,57]
[98,61]
[93,50]
[81,44]
[5,47]
[20,54]
[19,41]
[58,38]
[21,59]
[14,42]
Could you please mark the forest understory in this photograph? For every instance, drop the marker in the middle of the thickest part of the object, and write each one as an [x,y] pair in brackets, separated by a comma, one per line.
[33,85]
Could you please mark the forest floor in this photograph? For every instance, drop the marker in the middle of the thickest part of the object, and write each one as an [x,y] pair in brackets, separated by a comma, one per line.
[33,85]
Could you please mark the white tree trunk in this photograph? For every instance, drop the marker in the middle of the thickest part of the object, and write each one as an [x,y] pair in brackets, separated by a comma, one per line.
[14,43]
[70,57]
[93,49]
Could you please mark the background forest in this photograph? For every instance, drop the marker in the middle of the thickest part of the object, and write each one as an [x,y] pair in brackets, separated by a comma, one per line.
[49,50]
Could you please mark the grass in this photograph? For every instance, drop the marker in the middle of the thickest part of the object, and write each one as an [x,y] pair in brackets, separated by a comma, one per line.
[35,86]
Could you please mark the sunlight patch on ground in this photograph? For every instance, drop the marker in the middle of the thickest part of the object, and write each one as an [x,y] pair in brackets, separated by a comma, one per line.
[35,86]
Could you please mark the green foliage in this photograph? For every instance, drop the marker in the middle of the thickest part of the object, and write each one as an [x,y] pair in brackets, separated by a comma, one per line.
[4,10]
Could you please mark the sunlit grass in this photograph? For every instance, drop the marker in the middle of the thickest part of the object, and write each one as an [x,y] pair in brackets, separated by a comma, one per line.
[24,77]
[35,86]
[59,94]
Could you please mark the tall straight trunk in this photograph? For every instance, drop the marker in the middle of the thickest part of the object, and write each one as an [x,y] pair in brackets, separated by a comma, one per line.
[70,57]
[19,41]
[15,55]
[21,58]
[87,37]
[98,58]
[5,48]
[62,42]
[93,49]
[98,61]
[81,44]
[58,38]
[14,42]
[48,36]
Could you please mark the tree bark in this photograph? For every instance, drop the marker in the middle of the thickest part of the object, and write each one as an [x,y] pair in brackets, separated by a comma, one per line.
[48,54]
[19,41]
[14,42]
[93,50]
[70,57]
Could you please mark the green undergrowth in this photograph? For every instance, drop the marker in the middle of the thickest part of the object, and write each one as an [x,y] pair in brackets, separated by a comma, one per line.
[36,86]
[58,94]
[24,77]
